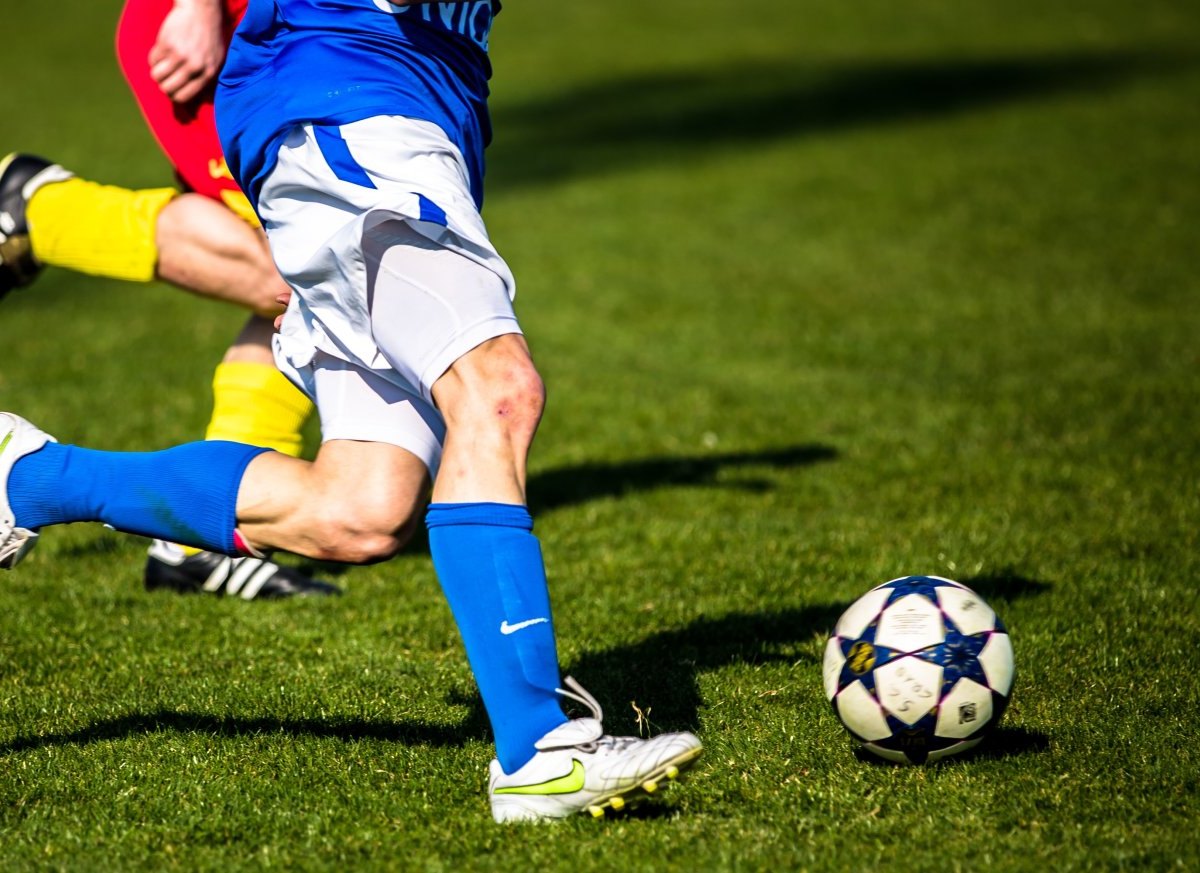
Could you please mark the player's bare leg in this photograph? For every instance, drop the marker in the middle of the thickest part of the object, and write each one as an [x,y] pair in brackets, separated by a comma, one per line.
[493,399]
[253,343]
[206,249]
[357,502]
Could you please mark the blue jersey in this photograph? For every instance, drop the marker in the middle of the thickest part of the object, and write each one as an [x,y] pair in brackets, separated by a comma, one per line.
[337,61]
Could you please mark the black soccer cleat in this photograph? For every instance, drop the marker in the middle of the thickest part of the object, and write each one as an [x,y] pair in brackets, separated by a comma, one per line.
[20,176]
[209,573]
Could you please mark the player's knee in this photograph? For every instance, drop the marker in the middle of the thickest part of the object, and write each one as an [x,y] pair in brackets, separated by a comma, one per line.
[365,528]
[518,400]
[498,389]
[350,541]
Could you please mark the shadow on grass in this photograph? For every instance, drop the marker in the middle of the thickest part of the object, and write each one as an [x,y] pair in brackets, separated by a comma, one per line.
[662,118]
[553,489]
[1006,742]
[660,671]
[407,733]
[580,483]
[1005,586]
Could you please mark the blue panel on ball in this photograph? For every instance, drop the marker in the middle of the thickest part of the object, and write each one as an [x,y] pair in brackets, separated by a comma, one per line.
[926,586]
[958,656]
[916,742]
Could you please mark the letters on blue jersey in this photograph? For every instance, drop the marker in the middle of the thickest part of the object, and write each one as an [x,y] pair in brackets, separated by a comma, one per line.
[337,61]
[470,20]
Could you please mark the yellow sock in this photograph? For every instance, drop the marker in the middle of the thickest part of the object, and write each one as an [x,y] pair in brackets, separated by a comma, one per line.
[256,404]
[98,229]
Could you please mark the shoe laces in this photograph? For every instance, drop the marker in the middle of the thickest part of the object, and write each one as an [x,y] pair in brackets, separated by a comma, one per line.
[575,691]
[614,744]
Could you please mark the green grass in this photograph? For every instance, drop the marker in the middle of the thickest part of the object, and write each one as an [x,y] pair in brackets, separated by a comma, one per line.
[824,294]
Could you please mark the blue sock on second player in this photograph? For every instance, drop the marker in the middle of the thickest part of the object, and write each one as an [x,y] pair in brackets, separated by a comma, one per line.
[186,494]
[490,567]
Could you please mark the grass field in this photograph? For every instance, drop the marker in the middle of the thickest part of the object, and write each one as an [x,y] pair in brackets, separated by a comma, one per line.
[824,294]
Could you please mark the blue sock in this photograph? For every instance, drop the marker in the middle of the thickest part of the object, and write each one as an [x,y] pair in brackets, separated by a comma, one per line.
[187,494]
[490,566]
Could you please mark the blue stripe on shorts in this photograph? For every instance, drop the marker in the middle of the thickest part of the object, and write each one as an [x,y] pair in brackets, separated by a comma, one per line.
[430,211]
[337,155]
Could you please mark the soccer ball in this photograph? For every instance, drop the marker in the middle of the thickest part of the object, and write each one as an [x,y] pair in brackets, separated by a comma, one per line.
[918,669]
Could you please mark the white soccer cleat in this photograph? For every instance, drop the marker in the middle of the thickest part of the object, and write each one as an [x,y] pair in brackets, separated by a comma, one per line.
[580,769]
[18,438]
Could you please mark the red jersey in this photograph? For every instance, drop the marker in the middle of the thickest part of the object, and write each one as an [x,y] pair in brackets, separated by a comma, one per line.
[187,132]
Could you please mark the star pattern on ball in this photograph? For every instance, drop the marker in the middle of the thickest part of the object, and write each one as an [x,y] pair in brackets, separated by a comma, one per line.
[958,657]
[934,698]
[926,586]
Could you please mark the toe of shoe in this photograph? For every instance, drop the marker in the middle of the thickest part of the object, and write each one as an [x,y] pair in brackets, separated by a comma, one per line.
[292,583]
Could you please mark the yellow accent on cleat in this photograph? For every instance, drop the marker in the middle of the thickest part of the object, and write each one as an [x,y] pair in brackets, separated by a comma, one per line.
[672,772]
[617,803]
[650,786]
[596,811]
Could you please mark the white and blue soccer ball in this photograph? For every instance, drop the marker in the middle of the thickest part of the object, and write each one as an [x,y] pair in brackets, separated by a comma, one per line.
[918,669]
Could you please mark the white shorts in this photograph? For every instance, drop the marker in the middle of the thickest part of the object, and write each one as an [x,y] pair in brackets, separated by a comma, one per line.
[394,277]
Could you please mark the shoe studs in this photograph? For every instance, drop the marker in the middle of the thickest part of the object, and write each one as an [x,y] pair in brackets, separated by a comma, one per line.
[619,802]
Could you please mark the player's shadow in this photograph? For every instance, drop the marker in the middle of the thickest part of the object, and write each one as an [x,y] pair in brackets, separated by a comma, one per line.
[170,721]
[1004,586]
[660,671]
[579,483]
[666,117]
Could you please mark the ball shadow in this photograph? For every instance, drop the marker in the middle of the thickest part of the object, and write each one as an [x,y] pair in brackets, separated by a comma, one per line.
[999,744]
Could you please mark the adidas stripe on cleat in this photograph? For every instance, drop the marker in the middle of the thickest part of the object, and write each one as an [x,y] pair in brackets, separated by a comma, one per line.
[18,438]
[20,176]
[578,768]
[168,566]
